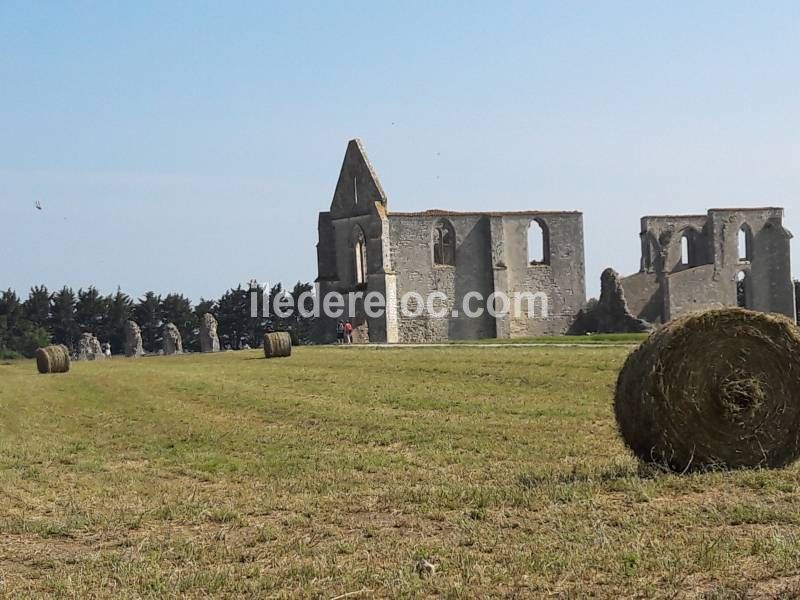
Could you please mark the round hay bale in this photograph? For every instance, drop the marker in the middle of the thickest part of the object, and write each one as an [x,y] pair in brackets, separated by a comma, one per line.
[714,390]
[52,359]
[278,344]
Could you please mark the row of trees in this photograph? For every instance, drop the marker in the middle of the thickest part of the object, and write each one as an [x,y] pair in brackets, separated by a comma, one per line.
[61,317]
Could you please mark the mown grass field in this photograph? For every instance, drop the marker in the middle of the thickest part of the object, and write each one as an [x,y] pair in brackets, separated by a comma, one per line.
[334,471]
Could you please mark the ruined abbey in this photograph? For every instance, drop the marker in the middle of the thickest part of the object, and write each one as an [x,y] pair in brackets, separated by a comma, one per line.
[727,257]
[363,246]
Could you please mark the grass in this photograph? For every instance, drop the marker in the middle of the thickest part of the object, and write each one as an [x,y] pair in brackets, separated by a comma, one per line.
[334,472]
[624,339]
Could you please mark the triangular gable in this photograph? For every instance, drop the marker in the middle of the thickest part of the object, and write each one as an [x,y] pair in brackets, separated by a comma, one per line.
[358,188]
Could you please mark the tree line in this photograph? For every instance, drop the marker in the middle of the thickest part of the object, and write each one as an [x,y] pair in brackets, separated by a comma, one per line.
[62,317]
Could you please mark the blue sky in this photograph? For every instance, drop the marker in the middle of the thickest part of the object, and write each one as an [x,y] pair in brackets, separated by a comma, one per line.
[189,146]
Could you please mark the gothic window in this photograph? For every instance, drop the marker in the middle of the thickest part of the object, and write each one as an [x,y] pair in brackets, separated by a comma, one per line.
[538,243]
[444,243]
[689,248]
[360,255]
[745,240]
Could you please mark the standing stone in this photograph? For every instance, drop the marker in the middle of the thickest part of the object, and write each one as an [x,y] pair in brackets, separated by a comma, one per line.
[89,348]
[172,340]
[133,340]
[209,341]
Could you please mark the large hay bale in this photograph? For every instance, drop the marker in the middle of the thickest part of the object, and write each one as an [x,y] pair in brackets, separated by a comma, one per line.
[719,389]
[52,359]
[278,344]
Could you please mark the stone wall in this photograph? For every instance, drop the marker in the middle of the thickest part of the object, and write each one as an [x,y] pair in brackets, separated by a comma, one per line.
[411,238]
[660,292]
[561,278]
[491,255]
[689,291]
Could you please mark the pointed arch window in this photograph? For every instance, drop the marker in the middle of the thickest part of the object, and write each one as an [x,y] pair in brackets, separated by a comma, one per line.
[745,243]
[360,255]
[538,243]
[689,242]
[444,243]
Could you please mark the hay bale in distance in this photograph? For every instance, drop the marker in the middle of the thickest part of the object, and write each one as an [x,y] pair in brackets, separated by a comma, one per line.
[719,389]
[52,359]
[278,344]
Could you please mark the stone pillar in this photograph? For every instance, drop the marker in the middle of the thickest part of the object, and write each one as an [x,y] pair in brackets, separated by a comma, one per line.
[172,340]
[89,348]
[209,340]
[133,340]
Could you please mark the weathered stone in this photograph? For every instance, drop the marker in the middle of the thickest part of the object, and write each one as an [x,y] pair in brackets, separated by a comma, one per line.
[172,340]
[610,314]
[133,340]
[449,256]
[726,257]
[89,348]
[209,341]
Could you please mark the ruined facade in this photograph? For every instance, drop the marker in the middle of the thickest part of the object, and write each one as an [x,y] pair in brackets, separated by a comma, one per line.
[727,257]
[363,247]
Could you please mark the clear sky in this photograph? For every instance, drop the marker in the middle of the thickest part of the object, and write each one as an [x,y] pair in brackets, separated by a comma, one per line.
[188,146]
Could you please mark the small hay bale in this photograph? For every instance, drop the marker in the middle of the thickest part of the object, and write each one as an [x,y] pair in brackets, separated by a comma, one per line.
[714,390]
[278,344]
[52,359]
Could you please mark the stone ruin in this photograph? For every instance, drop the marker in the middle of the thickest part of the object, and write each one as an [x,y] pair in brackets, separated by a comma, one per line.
[172,340]
[133,340]
[610,314]
[366,247]
[89,348]
[726,257]
[209,341]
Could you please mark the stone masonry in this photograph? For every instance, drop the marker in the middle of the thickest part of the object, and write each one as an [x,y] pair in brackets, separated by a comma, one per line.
[363,247]
[727,257]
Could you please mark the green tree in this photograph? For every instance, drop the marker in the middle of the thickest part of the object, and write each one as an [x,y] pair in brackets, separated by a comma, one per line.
[90,311]
[302,323]
[120,310]
[18,333]
[63,322]
[147,313]
[233,316]
[205,306]
[37,307]
[11,320]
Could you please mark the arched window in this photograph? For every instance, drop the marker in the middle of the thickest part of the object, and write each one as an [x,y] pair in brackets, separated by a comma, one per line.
[741,289]
[684,250]
[360,255]
[444,243]
[745,240]
[689,248]
[538,243]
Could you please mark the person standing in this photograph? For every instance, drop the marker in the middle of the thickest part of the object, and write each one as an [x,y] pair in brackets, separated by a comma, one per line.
[348,333]
[340,332]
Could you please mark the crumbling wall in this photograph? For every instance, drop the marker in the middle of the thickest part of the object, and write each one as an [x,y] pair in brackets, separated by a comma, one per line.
[644,296]
[412,257]
[610,314]
[561,278]
[693,289]
[671,286]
